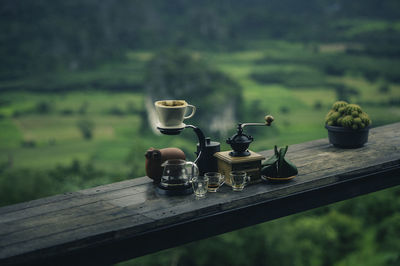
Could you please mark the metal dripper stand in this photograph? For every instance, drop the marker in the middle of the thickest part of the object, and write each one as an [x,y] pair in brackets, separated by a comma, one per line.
[206,148]
[199,134]
[185,189]
[205,160]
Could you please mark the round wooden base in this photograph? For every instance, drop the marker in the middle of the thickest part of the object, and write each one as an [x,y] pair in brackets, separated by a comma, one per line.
[175,191]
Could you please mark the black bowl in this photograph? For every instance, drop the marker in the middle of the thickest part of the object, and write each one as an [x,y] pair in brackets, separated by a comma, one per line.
[346,137]
[239,144]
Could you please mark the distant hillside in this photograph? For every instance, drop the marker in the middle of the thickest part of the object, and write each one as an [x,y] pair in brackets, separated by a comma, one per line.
[40,35]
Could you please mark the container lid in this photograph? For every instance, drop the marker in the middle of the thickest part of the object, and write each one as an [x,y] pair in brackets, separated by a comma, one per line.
[210,143]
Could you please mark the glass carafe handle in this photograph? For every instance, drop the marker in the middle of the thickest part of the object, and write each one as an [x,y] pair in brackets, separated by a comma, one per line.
[194,170]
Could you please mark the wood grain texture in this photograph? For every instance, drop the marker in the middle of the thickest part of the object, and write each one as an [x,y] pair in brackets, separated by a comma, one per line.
[110,223]
[224,155]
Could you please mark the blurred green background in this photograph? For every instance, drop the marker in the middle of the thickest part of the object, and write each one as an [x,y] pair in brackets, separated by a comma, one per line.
[77,81]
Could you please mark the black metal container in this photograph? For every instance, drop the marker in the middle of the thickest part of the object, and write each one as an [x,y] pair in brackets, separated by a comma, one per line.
[346,137]
[207,162]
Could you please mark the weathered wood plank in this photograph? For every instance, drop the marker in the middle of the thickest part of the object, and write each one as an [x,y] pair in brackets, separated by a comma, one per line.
[71,195]
[76,199]
[121,219]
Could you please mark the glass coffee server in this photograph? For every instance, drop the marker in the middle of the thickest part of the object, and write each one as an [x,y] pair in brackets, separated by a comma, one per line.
[177,176]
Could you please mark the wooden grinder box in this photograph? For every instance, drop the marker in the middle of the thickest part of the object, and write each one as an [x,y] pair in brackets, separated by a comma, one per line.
[250,164]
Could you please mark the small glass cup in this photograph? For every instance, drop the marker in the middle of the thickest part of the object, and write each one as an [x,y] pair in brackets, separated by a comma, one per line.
[238,180]
[215,180]
[200,185]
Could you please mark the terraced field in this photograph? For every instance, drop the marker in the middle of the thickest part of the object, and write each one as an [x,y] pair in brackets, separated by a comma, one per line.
[292,81]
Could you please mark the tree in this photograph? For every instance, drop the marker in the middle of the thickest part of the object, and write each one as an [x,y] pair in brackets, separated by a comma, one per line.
[86,127]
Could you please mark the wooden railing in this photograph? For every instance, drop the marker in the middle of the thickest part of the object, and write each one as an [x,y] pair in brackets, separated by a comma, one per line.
[119,221]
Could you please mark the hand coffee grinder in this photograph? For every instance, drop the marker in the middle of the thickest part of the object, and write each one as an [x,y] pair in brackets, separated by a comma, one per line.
[240,158]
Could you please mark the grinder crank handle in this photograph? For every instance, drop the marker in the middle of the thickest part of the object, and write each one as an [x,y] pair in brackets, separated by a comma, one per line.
[268,121]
